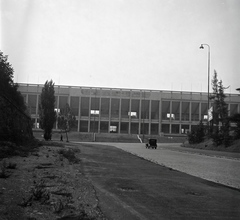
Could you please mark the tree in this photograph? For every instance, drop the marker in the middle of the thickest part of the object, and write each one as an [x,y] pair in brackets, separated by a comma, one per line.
[236,120]
[197,136]
[220,113]
[8,88]
[15,123]
[47,114]
[66,120]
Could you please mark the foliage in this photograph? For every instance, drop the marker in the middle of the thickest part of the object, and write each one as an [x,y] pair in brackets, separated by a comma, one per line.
[47,114]
[3,172]
[69,154]
[236,119]
[38,192]
[197,136]
[15,123]
[220,124]
[7,87]
[225,133]
[8,149]
[66,120]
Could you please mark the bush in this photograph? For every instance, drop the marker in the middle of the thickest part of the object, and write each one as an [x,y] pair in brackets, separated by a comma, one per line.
[11,165]
[8,149]
[221,136]
[197,136]
[3,172]
[236,120]
[217,137]
[69,154]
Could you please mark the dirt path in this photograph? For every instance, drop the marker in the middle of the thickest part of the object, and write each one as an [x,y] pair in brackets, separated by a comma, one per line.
[47,185]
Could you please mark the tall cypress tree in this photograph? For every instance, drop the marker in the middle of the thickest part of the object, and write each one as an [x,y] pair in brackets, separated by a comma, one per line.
[47,113]
[220,113]
[214,96]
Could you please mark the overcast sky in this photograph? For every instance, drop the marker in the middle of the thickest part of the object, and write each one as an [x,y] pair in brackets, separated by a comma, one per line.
[142,44]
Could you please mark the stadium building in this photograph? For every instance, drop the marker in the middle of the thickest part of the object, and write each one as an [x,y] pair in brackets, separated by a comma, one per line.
[128,111]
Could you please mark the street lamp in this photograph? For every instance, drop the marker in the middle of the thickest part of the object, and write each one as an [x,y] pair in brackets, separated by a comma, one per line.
[202,47]
[144,113]
[238,89]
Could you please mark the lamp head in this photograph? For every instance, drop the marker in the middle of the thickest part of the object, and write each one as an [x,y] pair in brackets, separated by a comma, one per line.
[201,47]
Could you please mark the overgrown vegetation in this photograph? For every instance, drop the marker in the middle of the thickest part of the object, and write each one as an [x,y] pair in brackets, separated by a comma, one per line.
[4,168]
[197,135]
[220,125]
[8,149]
[38,192]
[15,122]
[69,154]
[3,171]
[235,119]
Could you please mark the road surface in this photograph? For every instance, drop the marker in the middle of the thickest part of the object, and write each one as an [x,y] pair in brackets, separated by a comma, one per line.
[219,167]
[129,187]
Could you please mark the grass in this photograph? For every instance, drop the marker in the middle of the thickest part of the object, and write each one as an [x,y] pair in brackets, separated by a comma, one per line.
[9,149]
[3,170]
[38,192]
[11,165]
[69,154]
[209,145]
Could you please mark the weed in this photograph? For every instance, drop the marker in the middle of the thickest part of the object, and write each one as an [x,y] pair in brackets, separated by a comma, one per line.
[40,192]
[60,193]
[9,149]
[81,215]
[26,202]
[11,165]
[3,172]
[76,150]
[58,206]
[69,154]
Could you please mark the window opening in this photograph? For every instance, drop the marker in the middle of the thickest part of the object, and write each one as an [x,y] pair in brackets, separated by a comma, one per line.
[172,116]
[94,112]
[132,114]
[113,129]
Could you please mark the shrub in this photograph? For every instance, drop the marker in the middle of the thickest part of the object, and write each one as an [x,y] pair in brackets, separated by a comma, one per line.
[40,192]
[197,136]
[3,171]
[11,165]
[69,154]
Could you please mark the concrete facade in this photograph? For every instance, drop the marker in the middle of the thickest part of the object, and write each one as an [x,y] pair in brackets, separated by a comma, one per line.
[128,111]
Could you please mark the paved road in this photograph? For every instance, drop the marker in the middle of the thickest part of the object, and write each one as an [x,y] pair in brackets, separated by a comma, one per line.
[129,187]
[219,167]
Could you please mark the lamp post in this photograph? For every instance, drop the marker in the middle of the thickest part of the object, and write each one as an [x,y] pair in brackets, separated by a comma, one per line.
[94,134]
[202,47]
[143,128]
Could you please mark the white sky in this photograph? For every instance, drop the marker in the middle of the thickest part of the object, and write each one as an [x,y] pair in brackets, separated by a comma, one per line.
[142,44]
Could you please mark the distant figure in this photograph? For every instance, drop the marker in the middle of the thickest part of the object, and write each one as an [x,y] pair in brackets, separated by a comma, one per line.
[61,139]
